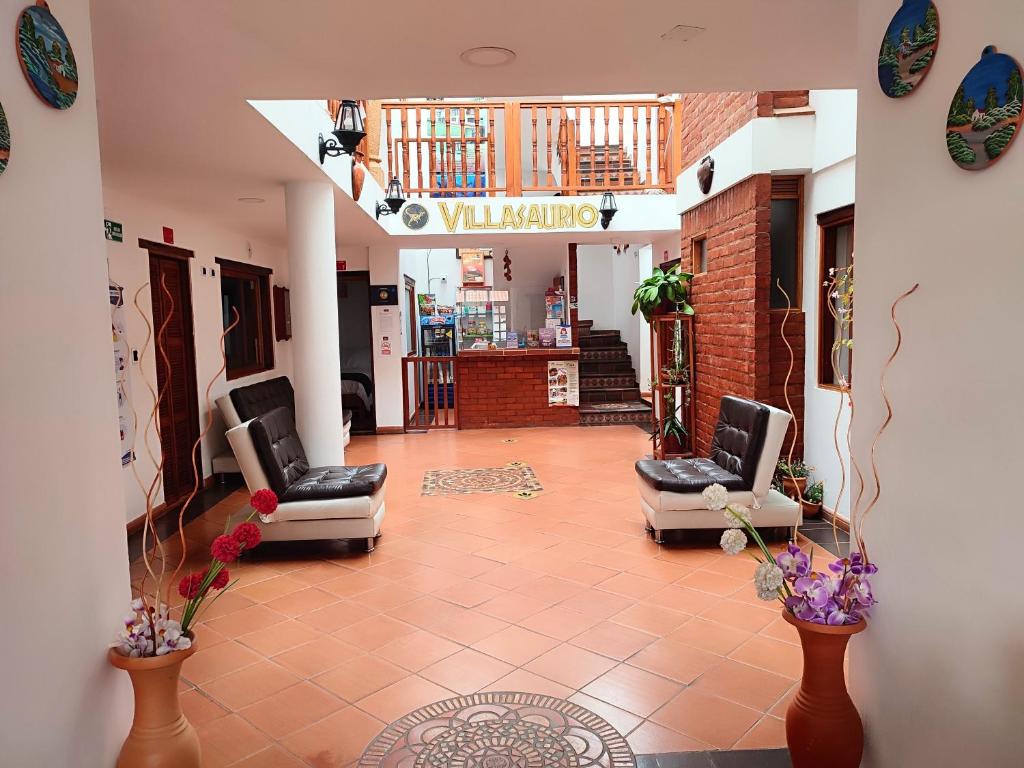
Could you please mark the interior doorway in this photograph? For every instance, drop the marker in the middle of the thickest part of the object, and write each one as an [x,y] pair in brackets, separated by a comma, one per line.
[356,347]
[413,330]
[178,415]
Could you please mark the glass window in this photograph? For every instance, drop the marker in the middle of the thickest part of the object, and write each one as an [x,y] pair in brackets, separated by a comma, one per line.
[700,252]
[785,236]
[249,348]
[835,353]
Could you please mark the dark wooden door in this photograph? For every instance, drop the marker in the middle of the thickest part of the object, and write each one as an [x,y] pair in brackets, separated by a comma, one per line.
[175,375]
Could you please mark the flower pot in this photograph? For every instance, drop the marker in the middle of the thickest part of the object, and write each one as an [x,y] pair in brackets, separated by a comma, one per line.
[794,486]
[823,727]
[160,737]
[811,508]
[358,178]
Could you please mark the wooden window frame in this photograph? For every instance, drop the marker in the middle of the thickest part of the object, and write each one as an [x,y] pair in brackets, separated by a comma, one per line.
[264,315]
[828,222]
[796,302]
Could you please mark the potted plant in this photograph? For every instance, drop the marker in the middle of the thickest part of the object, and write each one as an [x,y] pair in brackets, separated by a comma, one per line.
[152,645]
[827,608]
[794,476]
[663,292]
[671,431]
[811,501]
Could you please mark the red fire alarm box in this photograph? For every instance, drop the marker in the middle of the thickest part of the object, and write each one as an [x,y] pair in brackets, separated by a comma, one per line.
[168,235]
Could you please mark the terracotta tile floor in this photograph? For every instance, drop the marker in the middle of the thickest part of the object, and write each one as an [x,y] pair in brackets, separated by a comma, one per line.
[318,647]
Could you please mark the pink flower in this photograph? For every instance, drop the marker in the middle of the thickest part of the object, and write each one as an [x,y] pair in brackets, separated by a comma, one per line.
[189,586]
[264,501]
[221,579]
[225,549]
[247,535]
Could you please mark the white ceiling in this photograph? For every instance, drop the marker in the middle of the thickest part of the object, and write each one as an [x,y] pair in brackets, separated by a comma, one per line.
[173,77]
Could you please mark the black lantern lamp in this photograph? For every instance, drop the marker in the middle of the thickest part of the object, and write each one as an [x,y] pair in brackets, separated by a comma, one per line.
[393,200]
[608,209]
[348,132]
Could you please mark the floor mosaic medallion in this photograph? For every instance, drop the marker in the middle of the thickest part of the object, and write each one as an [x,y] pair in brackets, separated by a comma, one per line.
[511,478]
[499,730]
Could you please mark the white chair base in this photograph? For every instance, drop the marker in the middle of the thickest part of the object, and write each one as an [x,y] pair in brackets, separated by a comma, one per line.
[364,528]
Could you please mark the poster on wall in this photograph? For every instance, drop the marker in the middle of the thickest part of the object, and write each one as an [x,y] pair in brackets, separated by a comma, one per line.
[563,383]
[122,363]
[473,270]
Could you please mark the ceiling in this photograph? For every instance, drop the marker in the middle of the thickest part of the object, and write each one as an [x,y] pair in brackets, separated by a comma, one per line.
[173,78]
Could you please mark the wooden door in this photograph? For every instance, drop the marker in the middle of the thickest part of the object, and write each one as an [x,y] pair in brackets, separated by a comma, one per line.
[175,376]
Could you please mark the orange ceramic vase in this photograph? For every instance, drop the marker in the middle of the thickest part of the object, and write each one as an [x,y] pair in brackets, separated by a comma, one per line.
[823,727]
[358,179]
[160,737]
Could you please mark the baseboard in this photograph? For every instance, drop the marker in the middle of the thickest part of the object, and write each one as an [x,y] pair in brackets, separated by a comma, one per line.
[839,521]
[134,526]
[390,430]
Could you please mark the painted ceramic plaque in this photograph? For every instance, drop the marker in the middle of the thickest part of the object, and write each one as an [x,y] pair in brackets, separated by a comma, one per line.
[5,140]
[985,114]
[908,48]
[46,56]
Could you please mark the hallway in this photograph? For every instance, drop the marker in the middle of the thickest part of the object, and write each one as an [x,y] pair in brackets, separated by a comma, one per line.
[319,648]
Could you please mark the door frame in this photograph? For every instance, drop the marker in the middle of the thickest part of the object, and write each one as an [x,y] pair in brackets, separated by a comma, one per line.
[170,252]
[413,325]
[344,276]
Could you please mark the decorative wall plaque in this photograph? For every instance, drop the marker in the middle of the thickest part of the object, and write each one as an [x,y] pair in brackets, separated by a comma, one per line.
[908,48]
[985,114]
[5,140]
[46,56]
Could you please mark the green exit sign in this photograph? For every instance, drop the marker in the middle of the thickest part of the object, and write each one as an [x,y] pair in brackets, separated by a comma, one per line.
[113,230]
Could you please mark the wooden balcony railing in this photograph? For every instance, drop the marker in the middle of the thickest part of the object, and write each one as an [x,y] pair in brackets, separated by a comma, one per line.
[483,148]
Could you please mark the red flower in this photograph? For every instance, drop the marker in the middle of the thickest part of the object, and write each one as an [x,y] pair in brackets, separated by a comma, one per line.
[247,535]
[225,549]
[189,586]
[221,579]
[264,501]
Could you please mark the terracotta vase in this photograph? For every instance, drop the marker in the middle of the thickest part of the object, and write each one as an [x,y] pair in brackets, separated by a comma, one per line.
[811,508]
[160,737]
[823,727]
[794,486]
[358,178]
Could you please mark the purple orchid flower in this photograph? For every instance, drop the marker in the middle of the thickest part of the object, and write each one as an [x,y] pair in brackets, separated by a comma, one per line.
[793,562]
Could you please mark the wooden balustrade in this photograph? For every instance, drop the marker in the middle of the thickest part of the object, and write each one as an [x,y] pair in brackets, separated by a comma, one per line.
[483,148]
[430,393]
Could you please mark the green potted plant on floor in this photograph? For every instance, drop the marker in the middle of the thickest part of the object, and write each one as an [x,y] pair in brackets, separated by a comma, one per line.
[811,501]
[663,291]
[794,476]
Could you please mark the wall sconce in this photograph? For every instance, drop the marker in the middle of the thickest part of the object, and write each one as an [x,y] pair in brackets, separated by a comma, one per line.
[393,200]
[348,132]
[608,209]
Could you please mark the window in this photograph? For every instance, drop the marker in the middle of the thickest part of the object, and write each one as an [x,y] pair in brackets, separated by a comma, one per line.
[249,348]
[699,254]
[786,234]
[834,359]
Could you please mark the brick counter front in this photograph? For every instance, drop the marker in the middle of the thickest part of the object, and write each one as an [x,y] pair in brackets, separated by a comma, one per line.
[509,388]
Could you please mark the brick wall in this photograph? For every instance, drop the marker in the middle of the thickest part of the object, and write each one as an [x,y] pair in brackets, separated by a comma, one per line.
[509,392]
[731,300]
[711,118]
[779,365]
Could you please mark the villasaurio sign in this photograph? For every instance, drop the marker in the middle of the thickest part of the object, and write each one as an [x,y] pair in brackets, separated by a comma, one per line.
[462,216]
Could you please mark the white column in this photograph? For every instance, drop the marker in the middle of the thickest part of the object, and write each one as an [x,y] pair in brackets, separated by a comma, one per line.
[388,341]
[316,362]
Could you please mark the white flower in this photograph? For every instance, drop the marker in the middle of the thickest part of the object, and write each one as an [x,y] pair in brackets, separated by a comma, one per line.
[768,579]
[736,515]
[715,497]
[734,541]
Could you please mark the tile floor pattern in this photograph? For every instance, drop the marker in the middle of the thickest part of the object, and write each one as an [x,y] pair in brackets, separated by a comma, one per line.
[316,650]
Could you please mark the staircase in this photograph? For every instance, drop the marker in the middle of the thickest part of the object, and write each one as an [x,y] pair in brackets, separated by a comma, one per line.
[604,168]
[609,392]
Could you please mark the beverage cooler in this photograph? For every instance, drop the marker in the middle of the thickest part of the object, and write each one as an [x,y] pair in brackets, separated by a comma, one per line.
[437,336]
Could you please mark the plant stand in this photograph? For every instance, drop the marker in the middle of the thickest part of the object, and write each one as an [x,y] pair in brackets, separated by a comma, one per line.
[668,395]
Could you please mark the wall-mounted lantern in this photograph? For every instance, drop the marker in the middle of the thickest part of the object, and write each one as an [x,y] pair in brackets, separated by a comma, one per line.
[393,200]
[348,132]
[608,209]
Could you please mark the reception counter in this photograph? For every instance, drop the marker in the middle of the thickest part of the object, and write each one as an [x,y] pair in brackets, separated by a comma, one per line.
[509,388]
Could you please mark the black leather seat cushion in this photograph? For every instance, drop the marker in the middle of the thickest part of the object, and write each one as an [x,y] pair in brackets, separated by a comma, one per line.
[337,483]
[686,475]
[735,452]
[739,437]
[263,397]
[279,449]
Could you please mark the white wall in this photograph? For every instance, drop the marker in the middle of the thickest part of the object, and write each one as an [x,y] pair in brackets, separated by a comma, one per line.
[939,674]
[830,185]
[63,556]
[129,266]
[387,322]
[595,285]
[534,268]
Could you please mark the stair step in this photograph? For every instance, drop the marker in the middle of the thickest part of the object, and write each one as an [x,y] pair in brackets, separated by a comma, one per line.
[605,354]
[602,342]
[607,368]
[611,380]
[630,412]
[610,395]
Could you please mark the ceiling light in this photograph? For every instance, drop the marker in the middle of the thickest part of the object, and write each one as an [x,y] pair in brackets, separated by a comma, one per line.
[487,56]
[252,200]
[681,33]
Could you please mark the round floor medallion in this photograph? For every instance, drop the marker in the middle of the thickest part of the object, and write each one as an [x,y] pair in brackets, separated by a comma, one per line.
[500,730]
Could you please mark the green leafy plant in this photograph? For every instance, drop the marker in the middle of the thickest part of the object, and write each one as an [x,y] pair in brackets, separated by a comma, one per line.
[815,492]
[670,425]
[795,469]
[672,286]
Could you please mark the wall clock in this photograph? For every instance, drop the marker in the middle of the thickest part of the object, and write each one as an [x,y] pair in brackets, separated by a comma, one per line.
[46,56]
[985,114]
[908,48]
